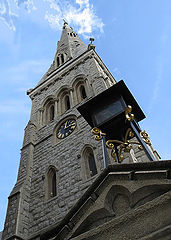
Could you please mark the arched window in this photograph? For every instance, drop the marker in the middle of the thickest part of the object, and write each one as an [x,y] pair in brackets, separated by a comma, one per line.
[52,191]
[83,92]
[67,103]
[58,63]
[80,89]
[92,164]
[62,58]
[89,163]
[51,113]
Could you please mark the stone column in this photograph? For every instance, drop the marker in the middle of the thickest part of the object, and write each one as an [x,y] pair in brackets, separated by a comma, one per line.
[59,112]
[71,97]
[88,88]
[56,108]
[75,96]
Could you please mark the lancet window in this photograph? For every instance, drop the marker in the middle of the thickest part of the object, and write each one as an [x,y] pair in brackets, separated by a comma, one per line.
[49,111]
[52,183]
[89,163]
[81,90]
[67,103]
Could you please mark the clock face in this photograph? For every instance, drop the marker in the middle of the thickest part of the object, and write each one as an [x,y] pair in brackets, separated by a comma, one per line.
[66,128]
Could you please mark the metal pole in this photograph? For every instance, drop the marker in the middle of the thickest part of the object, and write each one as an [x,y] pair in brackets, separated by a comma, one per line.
[134,127]
[116,154]
[105,154]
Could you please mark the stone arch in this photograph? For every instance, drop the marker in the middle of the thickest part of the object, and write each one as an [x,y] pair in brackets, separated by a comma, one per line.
[79,84]
[62,94]
[47,111]
[76,79]
[88,162]
[148,193]
[51,182]
[65,96]
[62,58]
[61,90]
[44,102]
[118,200]
[93,220]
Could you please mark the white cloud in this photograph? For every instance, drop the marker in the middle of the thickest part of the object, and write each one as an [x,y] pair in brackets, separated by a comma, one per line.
[29,4]
[82,16]
[83,2]
[6,15]
[54,20]
[78,13]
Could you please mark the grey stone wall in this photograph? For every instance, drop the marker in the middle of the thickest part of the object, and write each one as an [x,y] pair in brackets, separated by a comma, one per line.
[63,155]
[11,217]
[40,150]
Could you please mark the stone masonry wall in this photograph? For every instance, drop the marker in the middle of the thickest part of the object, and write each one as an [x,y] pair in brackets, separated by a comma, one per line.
[40,151]
[63,155]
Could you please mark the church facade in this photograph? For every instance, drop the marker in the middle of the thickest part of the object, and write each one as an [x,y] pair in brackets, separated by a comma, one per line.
[62,189]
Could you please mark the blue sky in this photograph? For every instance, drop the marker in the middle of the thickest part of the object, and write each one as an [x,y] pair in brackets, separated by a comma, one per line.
[133,38]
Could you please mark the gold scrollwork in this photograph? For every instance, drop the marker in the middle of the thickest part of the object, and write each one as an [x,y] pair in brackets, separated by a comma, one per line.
[129,116]
[98,134]
[145,137]
[125,146]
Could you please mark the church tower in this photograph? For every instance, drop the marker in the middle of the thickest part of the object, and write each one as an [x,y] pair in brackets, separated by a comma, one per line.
[59,158]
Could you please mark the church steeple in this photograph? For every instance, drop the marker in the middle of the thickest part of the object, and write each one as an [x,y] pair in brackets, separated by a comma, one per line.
[69,46]
[60,158]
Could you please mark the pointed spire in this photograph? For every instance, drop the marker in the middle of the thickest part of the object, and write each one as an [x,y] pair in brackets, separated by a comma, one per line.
[69,46]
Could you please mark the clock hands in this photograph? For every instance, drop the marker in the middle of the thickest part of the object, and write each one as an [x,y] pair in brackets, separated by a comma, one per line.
[70,124]
[66,128]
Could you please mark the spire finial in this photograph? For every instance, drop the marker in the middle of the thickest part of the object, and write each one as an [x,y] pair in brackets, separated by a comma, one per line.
[91,40]
[65,22]
[91,45]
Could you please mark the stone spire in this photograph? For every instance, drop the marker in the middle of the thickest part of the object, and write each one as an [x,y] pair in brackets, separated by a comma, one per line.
[69,47]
